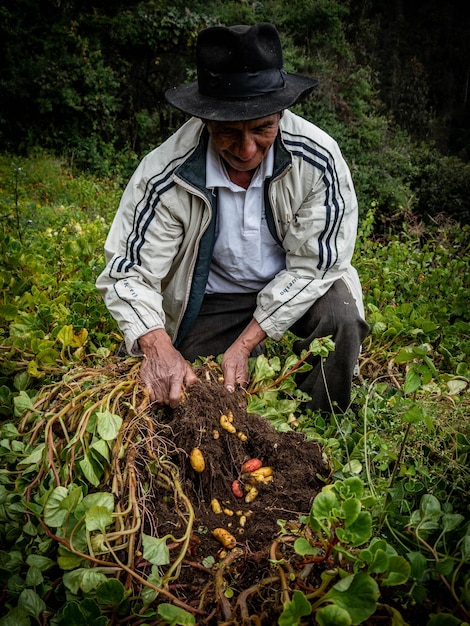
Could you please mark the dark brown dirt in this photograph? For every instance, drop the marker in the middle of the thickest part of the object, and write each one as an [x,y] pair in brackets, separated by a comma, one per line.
[297,465]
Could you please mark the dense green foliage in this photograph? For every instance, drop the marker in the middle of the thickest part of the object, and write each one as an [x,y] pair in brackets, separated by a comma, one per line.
[399,492]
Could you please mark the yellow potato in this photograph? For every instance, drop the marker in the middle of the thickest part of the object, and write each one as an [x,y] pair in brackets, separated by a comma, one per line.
[196,458]
[251,495]
[225,538]
[215,506]
[226,424]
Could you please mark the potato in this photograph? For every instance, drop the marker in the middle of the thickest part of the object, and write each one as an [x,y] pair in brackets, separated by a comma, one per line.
[237,489]
[251,495]
[251,465]
[262,475]
[196,458]
[226,539]
[226,424]
[215,506]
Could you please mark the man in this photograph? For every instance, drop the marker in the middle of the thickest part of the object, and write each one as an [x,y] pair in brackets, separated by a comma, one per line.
[240,226]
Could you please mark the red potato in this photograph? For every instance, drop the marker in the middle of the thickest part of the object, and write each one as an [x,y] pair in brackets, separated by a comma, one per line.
[251,465]
[237,489]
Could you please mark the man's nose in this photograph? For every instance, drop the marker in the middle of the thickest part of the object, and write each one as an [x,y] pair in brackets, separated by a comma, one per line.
[246,147]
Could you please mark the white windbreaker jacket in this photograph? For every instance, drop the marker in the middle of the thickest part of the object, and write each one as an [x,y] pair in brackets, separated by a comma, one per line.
[159,247]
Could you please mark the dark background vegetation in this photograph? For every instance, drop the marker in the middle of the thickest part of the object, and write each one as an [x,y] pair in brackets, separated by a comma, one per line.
[84,79]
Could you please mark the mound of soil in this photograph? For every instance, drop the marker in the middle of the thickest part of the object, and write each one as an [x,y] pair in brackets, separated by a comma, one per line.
[296,464]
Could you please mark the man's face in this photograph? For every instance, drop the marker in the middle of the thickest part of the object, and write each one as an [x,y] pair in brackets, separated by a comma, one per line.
[243,145]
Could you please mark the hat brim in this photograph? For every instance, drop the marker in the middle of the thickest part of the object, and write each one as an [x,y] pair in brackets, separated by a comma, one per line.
[188,99]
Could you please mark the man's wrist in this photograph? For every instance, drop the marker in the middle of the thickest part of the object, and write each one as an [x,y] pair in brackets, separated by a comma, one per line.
[151,341]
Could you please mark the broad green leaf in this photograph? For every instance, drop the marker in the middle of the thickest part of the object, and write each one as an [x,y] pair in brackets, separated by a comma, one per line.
[444,619]
[8,311]
[30,602]
[353,467]
[16,617]
[65,335]
[155,550]
[398,571]
[353,487]
[451,521]
[84,578]
[358,532]
[54,514]
[102,498]
[43,563]
[303,547]
[430,506]
[419,564]
[108,425]
[34,458]
[102,447]
[357,594]
[22,403]
[91,470]
[175,616]
[72,500]
[111,592]
[414,414]
[379,563]
[294,610]
[34,577]
[49,356]
[97,518]
[323,504]
[333,615]
[412,381]
[351,508]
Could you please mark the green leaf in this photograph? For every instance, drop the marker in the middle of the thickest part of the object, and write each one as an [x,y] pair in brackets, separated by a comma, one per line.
[8,311]
[84,578]
[111,592]
[43,563]
[414,414]
[34,458]
[91,470]
[412,381]
[323,504]
[108,425]
[294,610]
[175,616]
[303,547]
[351,508]
[398,571]
[333,615]
[22,403]
[357,594]
[97,518]
[444,619]
[16,617]
[31,603]
[155,550]
[54,514]
[451,521]
[358,532]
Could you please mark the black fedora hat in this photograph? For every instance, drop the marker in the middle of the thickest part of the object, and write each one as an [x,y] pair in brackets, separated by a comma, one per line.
[240,76]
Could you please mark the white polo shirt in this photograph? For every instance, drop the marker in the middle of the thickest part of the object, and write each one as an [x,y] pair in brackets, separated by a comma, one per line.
[246,256]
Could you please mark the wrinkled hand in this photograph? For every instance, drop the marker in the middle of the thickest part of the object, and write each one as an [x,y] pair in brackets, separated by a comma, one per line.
[235,359]
[235,366]
[164,371]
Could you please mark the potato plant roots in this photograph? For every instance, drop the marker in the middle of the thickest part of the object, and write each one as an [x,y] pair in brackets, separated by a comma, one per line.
[157,492]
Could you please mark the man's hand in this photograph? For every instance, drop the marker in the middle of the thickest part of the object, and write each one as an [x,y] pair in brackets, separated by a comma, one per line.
[235,359]
[164,371]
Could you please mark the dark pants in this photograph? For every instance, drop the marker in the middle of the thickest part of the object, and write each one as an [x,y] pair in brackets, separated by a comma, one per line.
[223,317]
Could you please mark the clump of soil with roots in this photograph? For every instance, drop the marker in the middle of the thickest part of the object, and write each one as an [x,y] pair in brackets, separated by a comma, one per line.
[158,493]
